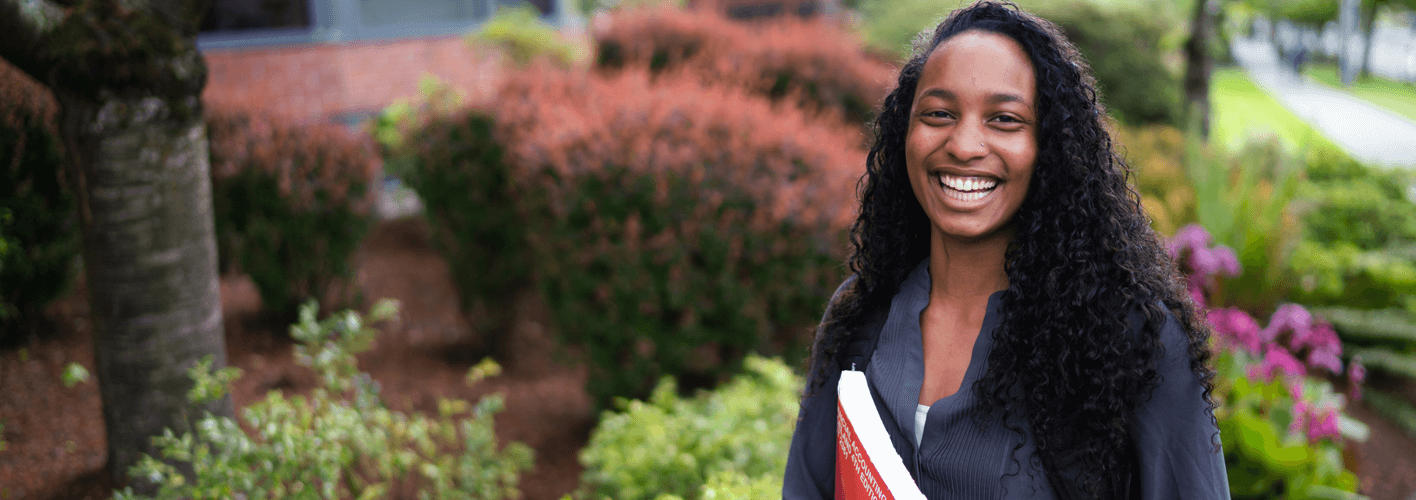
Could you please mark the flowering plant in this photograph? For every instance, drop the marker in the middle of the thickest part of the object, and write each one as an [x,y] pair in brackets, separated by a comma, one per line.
[1281,422]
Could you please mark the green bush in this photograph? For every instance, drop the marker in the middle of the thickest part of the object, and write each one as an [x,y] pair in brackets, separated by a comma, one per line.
[1352,203]
[471,200]
[291,204]
[341,442]
[521,35]
[1359,228]
[728,443]
[1123,46]
[41,229]
[1125,43]
[669,227]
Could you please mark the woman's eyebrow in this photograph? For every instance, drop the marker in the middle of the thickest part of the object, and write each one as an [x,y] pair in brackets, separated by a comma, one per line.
[1003,97]
[995,98]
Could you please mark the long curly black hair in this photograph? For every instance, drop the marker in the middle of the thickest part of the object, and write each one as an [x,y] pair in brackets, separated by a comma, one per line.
[1084,255]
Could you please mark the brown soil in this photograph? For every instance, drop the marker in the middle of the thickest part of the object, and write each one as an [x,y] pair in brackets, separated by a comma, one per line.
[56,447]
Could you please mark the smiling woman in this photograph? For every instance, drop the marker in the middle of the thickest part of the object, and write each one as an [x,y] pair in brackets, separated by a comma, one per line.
[1019,324]
[971,140]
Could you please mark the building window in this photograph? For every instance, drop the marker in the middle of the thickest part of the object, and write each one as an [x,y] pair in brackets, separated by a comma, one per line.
[242,15]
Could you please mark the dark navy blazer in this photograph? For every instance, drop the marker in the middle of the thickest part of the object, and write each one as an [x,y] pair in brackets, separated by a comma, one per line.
[1174,436]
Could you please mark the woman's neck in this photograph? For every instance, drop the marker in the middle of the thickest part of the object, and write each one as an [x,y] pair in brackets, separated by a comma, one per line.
[967,271]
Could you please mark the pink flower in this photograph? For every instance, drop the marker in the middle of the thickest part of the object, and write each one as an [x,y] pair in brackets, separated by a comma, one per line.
[1325,358]
[1197,293]
[1317,423]
[1227,262]
[1236,328]
[1190,237]
[1288,318]
[1279,359]
[1356,374]
[1207,262]
[1319,336]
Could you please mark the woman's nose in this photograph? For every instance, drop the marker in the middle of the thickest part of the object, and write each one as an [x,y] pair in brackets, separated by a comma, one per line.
[967,143]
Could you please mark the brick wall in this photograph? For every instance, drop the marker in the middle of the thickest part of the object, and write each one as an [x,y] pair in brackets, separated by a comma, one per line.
[314,83]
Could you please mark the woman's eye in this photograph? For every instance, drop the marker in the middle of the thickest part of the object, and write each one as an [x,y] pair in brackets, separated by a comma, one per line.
[937,114]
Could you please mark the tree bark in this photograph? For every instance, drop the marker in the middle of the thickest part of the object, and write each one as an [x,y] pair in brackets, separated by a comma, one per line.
[1198,64]
[128,78]
[1368,25]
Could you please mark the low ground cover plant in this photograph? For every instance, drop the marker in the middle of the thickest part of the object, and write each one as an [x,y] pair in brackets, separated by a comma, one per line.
[728,443]
[342,441]
[291,204]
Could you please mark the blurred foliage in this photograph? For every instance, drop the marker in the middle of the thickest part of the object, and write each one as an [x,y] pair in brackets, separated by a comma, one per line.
[1265,449]
[1309,12]
[1156,154]
[597,8]
[670,227]
[1127,45]
[1243,200]
[1359,248]
[522,36]
[1123,46]
[727,443]
[1281,424]
[74,374]
[472,203]
[7,311]
[813,65]
[39,222]
[1371,208]
[290,203]
[341,442]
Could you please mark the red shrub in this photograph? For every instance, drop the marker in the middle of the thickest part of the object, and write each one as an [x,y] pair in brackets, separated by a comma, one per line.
[812,64]
[291,203]
[579,126]
[670,226]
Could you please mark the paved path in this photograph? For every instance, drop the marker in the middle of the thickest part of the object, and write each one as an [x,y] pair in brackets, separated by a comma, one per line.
[1366,131]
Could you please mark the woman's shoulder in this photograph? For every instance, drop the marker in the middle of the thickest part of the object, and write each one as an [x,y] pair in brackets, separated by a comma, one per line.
[838,297]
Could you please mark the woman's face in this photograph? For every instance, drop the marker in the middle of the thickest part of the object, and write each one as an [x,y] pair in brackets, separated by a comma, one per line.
[972,137]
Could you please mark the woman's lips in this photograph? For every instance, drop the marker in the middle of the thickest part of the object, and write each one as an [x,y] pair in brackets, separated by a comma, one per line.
[966,188]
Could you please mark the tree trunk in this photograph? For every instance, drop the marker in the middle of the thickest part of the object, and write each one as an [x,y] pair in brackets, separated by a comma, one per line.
[150,258]
[128,78]
[1369,23]
[1198,63]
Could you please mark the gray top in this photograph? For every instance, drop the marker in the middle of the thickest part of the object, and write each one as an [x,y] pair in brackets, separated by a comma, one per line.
[956,459]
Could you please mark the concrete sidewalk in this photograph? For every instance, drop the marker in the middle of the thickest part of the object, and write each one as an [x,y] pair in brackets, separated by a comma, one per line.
[1367,132]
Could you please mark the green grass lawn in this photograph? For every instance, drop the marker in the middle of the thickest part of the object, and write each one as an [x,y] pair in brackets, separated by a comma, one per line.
[1398,97]
[1244,113]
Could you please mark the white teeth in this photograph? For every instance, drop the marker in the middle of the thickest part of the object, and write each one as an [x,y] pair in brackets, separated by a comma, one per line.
[968,187]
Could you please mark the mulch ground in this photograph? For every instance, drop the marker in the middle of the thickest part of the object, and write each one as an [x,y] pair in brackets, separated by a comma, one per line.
[56,445]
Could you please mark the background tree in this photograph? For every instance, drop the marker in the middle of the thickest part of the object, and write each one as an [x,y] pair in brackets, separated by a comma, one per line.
[1318,13]
[1198,64]
[128,77]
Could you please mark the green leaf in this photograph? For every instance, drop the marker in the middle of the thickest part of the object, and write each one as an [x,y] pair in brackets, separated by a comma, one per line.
[74,374]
